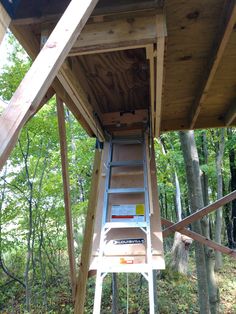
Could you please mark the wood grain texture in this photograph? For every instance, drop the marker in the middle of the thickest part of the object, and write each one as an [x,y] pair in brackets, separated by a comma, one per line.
[214,60]
[119,80]
[88,236]
[200,213]
[66,189]
[41,74]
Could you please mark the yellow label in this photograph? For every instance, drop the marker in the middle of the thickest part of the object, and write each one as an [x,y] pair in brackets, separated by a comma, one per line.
[140,209]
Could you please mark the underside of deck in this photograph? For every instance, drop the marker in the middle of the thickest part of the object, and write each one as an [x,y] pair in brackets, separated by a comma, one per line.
[171,63]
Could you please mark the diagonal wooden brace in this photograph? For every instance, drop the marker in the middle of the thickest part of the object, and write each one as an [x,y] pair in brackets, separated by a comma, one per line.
[33,87]
[200,213]
[197,237]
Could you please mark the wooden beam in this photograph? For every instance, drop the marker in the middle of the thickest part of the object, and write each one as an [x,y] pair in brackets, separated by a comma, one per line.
[80,99]
[135,116]
[41,74]
[100,36]
[197,237]
[161,34]
[4,22]
[88,236]
[200,213]
[230,115]
[66,188]
[213,63]
[150,57]
[32,47]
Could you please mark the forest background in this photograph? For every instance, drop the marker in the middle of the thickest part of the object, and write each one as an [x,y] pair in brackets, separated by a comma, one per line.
[34,268]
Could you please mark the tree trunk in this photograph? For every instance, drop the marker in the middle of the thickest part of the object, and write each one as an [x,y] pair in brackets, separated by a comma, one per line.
[196,202]
[213,290]
[115,298]
[218,226]
[231,225]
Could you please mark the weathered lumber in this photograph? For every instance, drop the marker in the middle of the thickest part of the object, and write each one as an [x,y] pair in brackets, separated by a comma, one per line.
[213,64]
[4,22]
[200,213]
[40,76]
[161,34]
[88,236]
[66,188]
[150,57]
[197,237]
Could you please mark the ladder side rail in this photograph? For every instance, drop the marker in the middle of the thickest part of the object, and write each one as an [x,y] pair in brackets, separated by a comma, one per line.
[100,274]
[149,244]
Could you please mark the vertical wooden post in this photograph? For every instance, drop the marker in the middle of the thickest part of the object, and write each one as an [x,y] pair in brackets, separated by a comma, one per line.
[66,187]
[4,22]
[88,236]
[161,34]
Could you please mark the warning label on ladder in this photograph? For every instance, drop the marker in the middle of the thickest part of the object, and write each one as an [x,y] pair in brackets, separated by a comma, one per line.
[129,212]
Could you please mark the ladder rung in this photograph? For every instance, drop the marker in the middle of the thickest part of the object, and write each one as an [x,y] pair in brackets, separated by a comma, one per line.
[126,191]
[132,224]
[126,268]
[127,163]
[127,141]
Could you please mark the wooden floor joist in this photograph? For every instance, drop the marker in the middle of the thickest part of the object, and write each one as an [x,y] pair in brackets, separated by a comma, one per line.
[213,64]
[198,237]
[41,74]
[88,236]
[200,213]
[66,188]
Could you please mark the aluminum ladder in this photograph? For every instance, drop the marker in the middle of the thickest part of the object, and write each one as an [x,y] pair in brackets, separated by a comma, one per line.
[146,268]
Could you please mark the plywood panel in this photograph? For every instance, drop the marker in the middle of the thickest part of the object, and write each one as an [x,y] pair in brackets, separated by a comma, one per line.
[119,80]
[191,27]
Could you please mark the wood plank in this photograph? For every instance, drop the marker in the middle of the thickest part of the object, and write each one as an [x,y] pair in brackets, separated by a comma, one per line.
[112,35]
[114,118]
[150,57]
[230,115]
[4,22]
[41,74]
[197,237]
[200,213]
[80,99]
[88,236]
[28,16]
[161,34]
[214,62]
[66,188]
[32,47]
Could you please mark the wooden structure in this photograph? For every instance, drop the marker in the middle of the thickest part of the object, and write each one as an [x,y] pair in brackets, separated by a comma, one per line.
[121,66]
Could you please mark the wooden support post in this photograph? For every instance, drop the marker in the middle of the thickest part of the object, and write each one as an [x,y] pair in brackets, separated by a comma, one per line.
[150,57]
[88,236]
[200,213]
[197,237]
[66,187]
[40,76]
[161,34]
[4,22]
